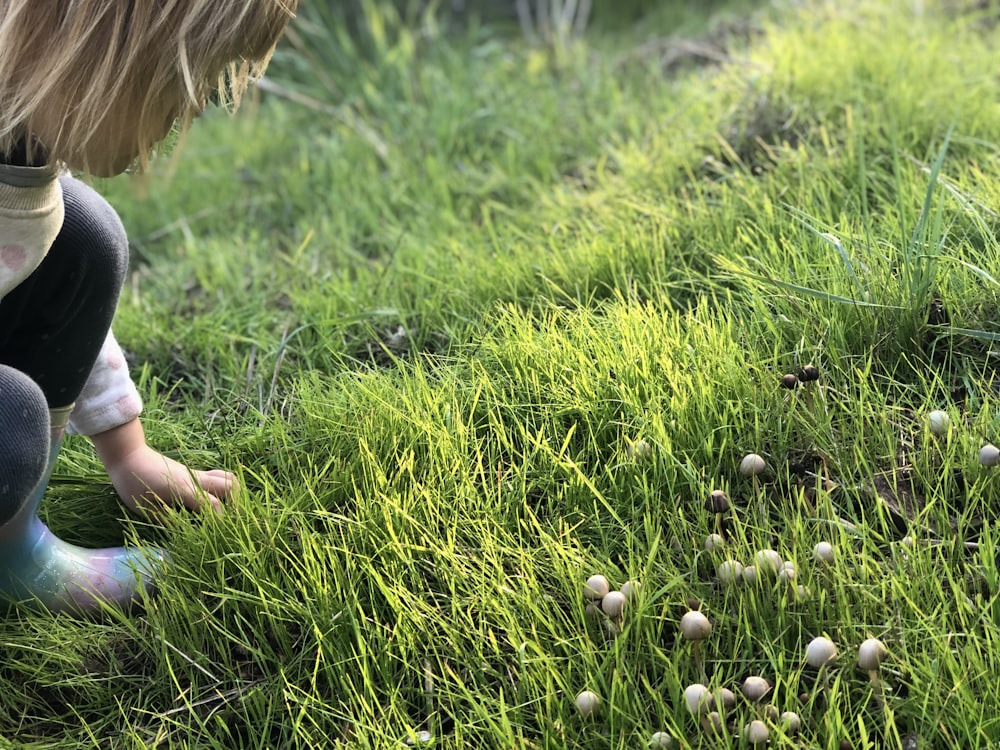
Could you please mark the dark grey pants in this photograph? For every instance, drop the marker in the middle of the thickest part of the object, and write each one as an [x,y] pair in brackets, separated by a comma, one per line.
[52,327]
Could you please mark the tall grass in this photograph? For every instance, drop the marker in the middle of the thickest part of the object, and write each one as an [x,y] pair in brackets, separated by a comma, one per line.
[427,296]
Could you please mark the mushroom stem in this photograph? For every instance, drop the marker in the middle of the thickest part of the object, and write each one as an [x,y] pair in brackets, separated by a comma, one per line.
[706,725]
[761,505]
[824,678]
[697,660]
[877,687]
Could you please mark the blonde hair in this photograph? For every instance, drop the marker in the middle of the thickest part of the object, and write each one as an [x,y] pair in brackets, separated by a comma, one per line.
[81,58]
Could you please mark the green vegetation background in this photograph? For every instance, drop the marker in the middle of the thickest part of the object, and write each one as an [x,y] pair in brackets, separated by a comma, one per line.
[427,291]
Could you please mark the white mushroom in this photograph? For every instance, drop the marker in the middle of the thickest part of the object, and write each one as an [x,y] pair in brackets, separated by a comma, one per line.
[823,553]
[725,699]
[768,561]
[756,732]
[730,571]
[713,724]
[588,703]
[640,450]
[820,652]
[631,589]
[791,722]
[698,699]
[597,587]
[989,455]
[695,626]
[871,653]
[755,688]
[613,604]
[752,465]
[938,422]
[787,574]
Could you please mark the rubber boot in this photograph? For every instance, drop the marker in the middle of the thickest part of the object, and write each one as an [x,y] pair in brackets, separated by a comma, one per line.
[37,568]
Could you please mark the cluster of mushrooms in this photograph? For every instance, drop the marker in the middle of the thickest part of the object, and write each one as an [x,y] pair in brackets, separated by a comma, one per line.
[721,712]
[716,711]
[745,711]
[939,423]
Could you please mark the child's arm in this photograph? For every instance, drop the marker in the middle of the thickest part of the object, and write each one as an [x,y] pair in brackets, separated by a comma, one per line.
[146,480]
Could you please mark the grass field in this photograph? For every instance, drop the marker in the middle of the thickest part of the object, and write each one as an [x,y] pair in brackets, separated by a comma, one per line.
[477,315]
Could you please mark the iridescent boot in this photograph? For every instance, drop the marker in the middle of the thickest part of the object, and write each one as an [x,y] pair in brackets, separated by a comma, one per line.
[38,568]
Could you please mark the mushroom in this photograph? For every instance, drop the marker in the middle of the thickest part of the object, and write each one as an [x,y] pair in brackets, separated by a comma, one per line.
[809,373]
[717,503]
[613,604]
[750,574]
[630,589]
[588,703]
[791,722]
[695,627]
[871,652]
[768,561]
[724,699]
[820,652]
[698,699]
[787,573]
[597,587]
[756,732]
[938,422]
[714,542]
[823,553]
[752,465]
[661,739]
[730,571]
[755,688]
[713,724]
[989,455]
[789,381]
[640,450]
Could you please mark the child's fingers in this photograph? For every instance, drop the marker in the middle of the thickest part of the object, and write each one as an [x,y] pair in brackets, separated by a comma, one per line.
[225,482]
[217,484]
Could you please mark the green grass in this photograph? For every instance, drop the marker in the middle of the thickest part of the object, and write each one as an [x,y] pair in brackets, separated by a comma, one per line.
[427,315]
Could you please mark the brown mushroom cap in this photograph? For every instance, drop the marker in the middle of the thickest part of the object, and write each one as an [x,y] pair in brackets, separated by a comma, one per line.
[809,373]
[717,502]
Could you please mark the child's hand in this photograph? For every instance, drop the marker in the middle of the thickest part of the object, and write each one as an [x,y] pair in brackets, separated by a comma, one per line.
[148,481]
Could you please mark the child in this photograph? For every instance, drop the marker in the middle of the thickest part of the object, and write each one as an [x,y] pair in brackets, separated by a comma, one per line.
[92,85]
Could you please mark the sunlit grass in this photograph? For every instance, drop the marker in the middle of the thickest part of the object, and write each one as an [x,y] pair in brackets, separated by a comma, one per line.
[428,316]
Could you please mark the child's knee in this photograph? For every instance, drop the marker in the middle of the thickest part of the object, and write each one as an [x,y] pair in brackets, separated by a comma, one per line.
[94,231]
[24,438]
